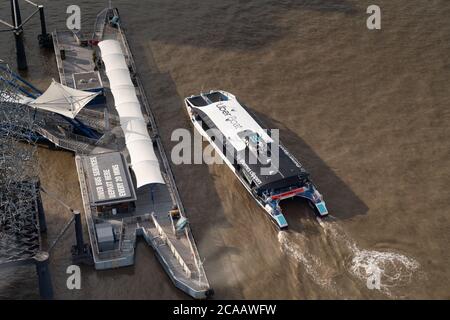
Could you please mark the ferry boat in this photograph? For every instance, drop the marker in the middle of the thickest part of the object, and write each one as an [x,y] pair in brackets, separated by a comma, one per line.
[268,171]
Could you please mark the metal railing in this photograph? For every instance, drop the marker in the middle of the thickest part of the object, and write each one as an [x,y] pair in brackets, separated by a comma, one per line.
[99,26]
[59,62]
[172,248]
[73,142]
[99,115]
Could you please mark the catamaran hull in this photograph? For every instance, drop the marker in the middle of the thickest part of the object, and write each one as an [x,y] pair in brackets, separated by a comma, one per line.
[279,219]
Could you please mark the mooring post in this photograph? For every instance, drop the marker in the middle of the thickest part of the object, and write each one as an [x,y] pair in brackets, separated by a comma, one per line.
[18,35]
[40,207]
[81,252]
[44,38]
[79,232]
[15,11]
[44,277]
[42,16]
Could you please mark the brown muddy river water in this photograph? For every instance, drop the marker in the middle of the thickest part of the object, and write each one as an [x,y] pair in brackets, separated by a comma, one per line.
[367,112]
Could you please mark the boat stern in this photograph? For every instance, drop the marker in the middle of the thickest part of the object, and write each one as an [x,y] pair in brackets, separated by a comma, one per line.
[281,221]
[315,200]
[308,192]
[321,208]
[274,210]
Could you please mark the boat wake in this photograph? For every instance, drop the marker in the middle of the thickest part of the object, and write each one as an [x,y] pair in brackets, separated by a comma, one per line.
[293,244]
[378,270]
[383,270]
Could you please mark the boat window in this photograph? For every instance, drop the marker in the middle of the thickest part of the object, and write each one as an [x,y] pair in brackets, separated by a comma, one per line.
[216,97]
[269,153]
[205,125]
[198,101]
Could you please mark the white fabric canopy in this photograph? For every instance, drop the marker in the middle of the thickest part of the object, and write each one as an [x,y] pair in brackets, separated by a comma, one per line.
[124,95]
[110,47]
[141,170]
[115,59]
[135,129]
[144,162]
[130,110]
[62,99]
[141,150]
[23,99]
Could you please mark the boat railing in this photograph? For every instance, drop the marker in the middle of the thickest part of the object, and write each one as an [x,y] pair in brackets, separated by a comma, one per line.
[172,248]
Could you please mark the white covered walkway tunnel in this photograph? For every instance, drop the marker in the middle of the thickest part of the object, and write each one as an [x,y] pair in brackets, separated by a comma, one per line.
[144,162]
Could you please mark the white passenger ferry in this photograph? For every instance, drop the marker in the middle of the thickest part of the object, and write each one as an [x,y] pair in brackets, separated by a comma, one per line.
[263,165]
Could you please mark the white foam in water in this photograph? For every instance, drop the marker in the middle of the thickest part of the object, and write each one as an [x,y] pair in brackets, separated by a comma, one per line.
[393,269]
[380,270]
[313,266]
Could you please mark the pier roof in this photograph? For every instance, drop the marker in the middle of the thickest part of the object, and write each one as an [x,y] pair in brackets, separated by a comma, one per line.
[109,180]
[64,100]
[144,162]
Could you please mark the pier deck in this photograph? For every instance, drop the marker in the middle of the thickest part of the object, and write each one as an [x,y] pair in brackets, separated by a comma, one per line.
[150,218]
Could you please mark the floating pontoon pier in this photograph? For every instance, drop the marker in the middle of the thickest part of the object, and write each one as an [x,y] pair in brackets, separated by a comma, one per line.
[127,186]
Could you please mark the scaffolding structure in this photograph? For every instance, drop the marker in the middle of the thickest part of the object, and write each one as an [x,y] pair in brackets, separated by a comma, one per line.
[19,185]
[21,212]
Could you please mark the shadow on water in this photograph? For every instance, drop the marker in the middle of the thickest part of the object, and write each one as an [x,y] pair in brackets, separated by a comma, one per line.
[195,183]
[18,282]
[168,108]
[216,224]
[213,24]
[341,201]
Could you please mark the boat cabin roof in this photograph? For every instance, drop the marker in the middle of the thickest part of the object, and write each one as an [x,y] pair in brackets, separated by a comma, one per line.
[230,118]
[247,136]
